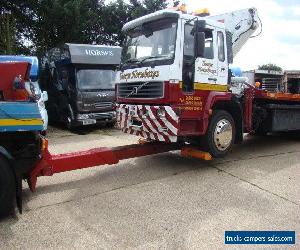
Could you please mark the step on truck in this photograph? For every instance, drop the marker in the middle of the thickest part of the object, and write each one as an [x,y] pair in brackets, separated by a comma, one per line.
[175,91]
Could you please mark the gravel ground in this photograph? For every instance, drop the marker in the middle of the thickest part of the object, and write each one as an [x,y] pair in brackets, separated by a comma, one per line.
[163,201]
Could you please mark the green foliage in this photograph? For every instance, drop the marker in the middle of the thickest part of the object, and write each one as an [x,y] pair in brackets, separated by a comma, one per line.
[117,13]
[43,24]
[8,34]
[270,66]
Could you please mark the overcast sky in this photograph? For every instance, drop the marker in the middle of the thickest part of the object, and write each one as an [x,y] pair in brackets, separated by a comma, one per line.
[279,42]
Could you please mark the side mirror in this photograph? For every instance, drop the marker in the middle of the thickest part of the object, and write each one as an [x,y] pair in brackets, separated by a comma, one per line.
[44,96]
[199,44]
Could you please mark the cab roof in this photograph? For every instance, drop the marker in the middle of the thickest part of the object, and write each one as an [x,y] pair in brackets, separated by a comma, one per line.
[165,14]
[86,54]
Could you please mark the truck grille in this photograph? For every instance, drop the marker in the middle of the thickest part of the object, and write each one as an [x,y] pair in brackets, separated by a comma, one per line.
[103,105]
[149,90]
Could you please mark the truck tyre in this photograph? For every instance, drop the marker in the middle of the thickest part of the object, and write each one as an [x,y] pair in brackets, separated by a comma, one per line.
[220,134]
[7,188]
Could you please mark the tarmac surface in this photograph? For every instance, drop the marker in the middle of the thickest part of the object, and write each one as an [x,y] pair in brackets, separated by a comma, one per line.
[162,201]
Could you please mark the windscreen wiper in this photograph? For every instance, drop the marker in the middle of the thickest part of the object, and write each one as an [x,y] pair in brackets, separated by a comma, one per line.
[130,60]
[152,57]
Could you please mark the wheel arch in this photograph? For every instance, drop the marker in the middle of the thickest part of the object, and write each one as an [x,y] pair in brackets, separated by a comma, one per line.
[233,107]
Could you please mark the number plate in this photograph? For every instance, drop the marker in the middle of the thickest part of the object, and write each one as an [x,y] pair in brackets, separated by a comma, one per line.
[88,121]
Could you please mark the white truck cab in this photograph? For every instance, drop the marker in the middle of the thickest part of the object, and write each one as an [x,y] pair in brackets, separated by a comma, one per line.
[174,66]
[165,40]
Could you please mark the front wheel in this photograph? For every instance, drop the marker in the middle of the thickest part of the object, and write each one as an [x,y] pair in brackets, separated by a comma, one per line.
[220,134]
[7,188]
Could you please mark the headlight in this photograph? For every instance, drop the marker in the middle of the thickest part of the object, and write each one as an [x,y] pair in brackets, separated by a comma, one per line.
[82,116]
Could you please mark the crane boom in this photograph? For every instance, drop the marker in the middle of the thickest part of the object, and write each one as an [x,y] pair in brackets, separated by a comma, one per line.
[241,24]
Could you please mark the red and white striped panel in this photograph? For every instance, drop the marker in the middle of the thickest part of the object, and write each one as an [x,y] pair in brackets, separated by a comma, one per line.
[151,125]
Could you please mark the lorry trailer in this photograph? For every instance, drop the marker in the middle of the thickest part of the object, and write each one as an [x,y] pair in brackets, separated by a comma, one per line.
[174,91]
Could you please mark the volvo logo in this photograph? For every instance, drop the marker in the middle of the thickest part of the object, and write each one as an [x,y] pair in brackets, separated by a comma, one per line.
[135,90]
[102,95]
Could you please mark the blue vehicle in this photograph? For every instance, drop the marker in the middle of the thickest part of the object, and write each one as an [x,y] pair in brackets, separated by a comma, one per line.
[20,126]
[236,71]
[34,77]
[20,141]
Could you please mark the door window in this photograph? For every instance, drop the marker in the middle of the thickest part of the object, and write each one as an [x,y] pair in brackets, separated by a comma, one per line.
[209,45]
[188,59]
[221,49]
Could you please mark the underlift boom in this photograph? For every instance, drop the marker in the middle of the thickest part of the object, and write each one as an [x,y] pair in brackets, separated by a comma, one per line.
[53,164]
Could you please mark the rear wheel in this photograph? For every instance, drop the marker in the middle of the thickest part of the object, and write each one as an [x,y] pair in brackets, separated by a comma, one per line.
[7,188]
[220,134]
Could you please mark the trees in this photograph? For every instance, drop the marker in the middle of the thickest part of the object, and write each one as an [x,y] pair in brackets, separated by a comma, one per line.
[116,14]
[43,24]
[8,33]
[46,23]
[270,66]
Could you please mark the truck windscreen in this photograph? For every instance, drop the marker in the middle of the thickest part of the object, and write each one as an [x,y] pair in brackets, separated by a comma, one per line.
[92,79]
[152,42]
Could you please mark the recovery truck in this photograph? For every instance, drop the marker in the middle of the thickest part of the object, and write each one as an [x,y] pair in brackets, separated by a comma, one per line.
[175,90]
[175,85]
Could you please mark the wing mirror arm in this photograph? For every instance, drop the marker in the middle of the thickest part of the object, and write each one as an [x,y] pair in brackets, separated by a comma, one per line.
[199,36]
[199,44]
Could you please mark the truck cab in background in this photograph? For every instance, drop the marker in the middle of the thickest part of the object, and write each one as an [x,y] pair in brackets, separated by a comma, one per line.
[79,79]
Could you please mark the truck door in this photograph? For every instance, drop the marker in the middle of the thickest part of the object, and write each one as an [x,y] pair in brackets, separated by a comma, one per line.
[211,70]
[188,64]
